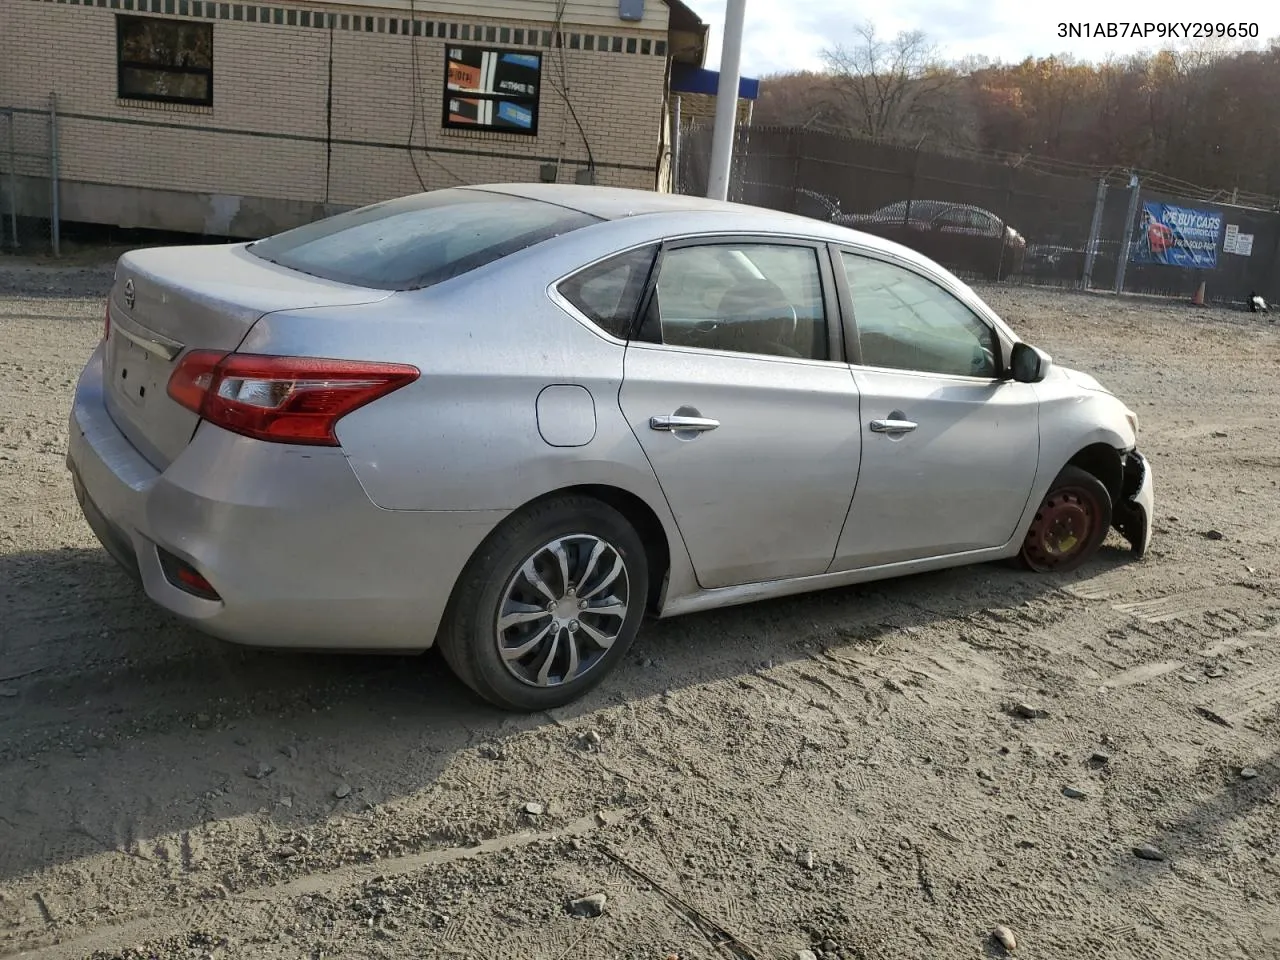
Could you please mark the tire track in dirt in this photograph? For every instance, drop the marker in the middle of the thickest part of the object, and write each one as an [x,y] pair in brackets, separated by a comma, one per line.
[839,765]
[1190,605]
[271,902]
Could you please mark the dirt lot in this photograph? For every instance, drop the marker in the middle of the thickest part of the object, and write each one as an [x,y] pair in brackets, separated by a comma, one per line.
[835,773]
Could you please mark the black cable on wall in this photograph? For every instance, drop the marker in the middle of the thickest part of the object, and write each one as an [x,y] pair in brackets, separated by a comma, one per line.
[557,38]
[328,116]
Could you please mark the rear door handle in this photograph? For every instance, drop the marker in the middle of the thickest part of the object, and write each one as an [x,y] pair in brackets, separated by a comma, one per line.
[683,424]
[892,426]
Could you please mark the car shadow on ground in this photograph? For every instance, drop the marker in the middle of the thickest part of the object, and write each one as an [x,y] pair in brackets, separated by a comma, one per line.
[119,723]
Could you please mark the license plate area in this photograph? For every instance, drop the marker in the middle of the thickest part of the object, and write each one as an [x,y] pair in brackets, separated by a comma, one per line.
[138,376]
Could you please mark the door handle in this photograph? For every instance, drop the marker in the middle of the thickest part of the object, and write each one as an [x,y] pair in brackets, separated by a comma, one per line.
[677,424]
[892,426]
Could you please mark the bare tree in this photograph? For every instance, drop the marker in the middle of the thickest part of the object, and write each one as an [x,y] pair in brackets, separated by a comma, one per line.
[889,82]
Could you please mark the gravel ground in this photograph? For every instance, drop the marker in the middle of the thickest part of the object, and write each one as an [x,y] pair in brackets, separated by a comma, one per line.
[846,773]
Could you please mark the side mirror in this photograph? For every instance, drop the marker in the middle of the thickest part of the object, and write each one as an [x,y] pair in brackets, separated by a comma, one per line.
[1028,364]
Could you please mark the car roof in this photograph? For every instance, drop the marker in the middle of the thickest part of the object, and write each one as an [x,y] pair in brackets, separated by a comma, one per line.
[632,217]
[615,203]
[673,213]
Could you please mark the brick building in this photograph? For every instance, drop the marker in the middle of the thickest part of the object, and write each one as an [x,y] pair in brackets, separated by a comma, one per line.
[240,119]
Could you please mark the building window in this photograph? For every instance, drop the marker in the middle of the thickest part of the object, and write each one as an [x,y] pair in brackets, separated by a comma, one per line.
[487,89]
[170,61]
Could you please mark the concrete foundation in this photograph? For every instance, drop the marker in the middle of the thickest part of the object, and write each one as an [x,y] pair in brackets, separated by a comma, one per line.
[215,214]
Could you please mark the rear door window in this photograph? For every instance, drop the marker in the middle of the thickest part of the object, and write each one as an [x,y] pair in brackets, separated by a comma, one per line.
[759,298]
[421,240]
[955,220]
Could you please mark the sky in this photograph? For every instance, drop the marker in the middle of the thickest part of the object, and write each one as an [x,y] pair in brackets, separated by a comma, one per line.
[791,34]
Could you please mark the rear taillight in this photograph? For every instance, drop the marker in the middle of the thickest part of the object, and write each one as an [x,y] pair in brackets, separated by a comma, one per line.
[281,399]
[106,324]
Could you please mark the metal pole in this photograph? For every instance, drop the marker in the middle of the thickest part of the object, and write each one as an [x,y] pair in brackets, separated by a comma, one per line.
[727,101]
[1004,224]
[911,188]
[1134,190]
[1095,229]
[55,225]
[677,174]
[796,140]
[13,178]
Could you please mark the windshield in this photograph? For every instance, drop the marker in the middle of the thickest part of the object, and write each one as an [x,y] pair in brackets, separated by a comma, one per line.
[418,241]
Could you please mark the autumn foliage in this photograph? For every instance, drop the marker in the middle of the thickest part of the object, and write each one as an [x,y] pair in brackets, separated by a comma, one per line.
[1204,116]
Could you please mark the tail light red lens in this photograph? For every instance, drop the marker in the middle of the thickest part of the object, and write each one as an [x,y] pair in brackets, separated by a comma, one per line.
[281,399]
[185,577]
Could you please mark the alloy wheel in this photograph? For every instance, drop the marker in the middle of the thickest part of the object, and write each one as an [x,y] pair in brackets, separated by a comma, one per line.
[562,610]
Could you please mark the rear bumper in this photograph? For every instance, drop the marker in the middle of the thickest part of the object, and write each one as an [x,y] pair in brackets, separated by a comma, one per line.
[115,540]
[1132,516]
[298,554]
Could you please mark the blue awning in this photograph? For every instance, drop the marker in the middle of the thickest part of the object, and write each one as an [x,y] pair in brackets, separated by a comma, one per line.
[686,78]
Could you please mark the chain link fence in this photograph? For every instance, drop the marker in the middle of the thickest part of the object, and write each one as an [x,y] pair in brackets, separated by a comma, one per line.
[29,183]
[1071,231]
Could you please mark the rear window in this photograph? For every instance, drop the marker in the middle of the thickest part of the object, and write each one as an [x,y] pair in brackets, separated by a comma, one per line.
[420,240]
[608,293]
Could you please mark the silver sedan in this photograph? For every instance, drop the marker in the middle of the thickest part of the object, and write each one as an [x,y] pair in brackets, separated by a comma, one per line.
[513,420]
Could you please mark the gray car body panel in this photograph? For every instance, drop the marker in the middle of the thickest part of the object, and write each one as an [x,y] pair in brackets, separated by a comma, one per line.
[300,555]
[520,396]
[166,299]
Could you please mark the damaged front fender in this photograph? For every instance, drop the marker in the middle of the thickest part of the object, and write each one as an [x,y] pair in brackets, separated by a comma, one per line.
[1132,515]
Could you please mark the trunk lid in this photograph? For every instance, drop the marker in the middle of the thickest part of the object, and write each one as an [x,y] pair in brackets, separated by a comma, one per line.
[169,300]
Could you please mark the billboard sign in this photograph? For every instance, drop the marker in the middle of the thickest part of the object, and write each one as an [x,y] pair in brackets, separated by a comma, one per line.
[1177,237]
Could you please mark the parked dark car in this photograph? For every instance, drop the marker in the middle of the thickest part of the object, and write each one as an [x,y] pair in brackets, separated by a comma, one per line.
[1065,263]
[807,203]
[1054,261]
[960,236]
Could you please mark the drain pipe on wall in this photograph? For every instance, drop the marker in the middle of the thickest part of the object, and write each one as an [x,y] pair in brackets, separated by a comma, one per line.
[677,180]
[55,224]
[13,176]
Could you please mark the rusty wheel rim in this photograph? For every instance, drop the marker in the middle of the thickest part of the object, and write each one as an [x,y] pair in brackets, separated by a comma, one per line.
[1063,528]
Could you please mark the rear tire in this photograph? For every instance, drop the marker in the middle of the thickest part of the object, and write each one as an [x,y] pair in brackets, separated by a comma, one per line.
[1070,524]
[548,605]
